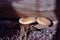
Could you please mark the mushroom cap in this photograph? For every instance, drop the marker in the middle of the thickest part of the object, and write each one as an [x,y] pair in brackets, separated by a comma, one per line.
[27,20]
[43,21]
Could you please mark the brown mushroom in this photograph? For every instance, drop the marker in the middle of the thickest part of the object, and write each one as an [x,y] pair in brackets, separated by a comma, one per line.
[27,20]
[43,21]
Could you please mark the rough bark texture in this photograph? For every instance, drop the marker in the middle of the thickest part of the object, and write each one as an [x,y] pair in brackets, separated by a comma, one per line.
[10,30]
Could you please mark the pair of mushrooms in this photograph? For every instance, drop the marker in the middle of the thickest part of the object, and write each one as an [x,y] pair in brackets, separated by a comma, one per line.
[42,21]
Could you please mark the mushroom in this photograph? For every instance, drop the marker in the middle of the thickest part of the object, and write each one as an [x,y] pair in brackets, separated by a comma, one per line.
[27,20]
[43,21]
[43,26]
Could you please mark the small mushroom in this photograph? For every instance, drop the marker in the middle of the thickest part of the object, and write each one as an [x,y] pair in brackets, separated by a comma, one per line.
[43,21]
[27,20]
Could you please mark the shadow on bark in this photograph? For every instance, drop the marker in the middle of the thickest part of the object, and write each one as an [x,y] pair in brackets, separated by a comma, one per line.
[57,12]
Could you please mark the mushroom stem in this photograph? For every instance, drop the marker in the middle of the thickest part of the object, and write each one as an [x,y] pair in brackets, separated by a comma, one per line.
[24,29]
